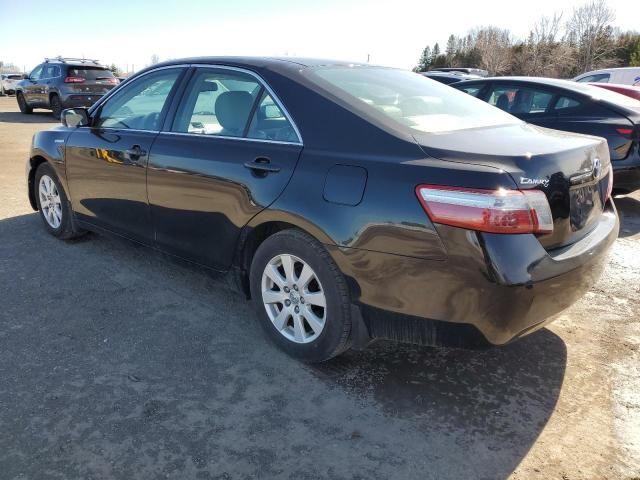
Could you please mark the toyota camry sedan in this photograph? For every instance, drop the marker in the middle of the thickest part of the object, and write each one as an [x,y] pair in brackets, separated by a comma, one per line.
[348,202]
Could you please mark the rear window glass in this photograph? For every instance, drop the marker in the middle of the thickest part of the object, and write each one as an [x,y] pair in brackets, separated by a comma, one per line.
[89,73]
[408,99]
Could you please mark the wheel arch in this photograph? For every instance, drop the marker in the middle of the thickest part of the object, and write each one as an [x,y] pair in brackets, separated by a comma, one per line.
[34,163]
[257,231]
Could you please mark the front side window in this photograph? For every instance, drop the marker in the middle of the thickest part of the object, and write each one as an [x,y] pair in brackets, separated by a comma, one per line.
[36,73]
[218,102]
[139,105]
[408,100]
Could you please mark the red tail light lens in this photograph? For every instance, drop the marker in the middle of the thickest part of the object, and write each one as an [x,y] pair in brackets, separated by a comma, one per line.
[625,131]
[493,211]
[74,80]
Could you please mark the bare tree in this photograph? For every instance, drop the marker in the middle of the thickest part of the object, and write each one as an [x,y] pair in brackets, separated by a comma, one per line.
[494,47]
[154,59]
[589,30]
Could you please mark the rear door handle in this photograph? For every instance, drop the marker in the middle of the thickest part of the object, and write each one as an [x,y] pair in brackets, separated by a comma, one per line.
[135,153]
[262,165]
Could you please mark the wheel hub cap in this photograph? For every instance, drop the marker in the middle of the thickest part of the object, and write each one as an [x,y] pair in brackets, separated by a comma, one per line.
[50,201]
[293,298]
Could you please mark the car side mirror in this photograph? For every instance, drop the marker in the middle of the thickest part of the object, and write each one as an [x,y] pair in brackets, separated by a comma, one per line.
[74,117]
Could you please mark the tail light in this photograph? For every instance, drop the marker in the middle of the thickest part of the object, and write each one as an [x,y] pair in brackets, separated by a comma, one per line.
[627,132]
[74,80]
[493,211]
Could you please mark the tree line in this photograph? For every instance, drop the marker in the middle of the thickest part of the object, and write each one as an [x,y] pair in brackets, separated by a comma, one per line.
[587,40]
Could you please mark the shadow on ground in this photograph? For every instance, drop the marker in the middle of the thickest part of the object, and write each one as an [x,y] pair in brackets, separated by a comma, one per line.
[629,211]
[119,364]
[35,117]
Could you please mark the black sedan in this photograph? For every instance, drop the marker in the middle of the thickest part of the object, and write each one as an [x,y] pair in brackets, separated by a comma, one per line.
[348,202]
[572,107]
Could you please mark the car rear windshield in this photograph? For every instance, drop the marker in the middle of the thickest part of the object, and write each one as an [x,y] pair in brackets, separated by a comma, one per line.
[409,99]
[90,73]
[610,96]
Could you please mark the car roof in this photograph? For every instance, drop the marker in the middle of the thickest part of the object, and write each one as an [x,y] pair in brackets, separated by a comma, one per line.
[274,63]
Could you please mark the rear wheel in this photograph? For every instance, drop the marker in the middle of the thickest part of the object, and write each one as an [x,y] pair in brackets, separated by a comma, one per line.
[300,296]
[54,208]
[56,105]
[22,104]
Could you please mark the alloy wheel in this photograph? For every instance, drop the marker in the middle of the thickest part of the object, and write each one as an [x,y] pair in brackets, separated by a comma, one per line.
[50,201]
[294,298]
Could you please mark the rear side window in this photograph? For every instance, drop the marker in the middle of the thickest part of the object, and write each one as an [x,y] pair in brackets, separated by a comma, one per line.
[231,104]
[270,123]
[218,102]
[139,105]
[520,100]
[51,71]
[89,73]
[596,78]
[565,103]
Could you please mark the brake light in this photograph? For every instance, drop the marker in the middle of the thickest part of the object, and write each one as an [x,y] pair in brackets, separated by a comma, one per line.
[74,80]
[625,131]
[493,211]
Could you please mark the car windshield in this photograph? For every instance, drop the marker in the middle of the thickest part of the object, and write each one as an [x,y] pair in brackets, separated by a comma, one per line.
[90,73]
[409,99]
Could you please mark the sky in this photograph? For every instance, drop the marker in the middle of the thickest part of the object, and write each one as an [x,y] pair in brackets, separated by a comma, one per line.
[390,32]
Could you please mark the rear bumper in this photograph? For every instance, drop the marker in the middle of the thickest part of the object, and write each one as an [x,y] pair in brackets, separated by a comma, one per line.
[492,289]
[70,101]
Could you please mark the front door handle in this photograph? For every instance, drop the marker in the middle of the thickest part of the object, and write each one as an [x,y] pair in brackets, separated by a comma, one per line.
[262,165]
[135,153]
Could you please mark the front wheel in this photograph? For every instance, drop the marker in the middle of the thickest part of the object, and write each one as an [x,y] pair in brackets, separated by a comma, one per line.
[54,208]
[301,297]
[22,104]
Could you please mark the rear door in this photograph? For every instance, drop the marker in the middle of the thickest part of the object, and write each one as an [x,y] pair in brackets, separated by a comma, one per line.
[228,154]
[107,162]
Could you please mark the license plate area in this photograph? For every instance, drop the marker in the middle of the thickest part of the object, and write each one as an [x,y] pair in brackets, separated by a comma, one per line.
[585,204]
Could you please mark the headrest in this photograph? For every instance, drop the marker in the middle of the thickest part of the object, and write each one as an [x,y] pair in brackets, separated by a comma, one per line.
[232,109]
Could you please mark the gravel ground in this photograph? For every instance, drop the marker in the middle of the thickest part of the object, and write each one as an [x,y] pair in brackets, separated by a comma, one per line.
[117,362]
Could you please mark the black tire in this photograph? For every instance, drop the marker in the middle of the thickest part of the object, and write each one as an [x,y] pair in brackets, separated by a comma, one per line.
[334,338]
[22,104]
[67,228]
[56,106]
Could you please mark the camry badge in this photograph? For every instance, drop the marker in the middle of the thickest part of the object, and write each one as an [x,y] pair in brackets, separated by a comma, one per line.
[534,181]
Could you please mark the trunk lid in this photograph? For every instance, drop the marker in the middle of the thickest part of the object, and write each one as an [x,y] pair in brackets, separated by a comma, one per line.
[571,169]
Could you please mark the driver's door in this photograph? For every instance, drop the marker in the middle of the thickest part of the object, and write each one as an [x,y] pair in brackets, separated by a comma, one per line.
[107,161]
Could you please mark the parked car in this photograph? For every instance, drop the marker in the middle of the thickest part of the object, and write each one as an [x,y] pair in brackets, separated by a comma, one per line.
[348,202]
[449,78]
[469,71]
[9,81]
[61,83]
[624,76]
[572,107]
[629,91]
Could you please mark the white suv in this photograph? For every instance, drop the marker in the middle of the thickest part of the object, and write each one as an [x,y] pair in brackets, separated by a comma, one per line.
[9,81]
[623,76]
